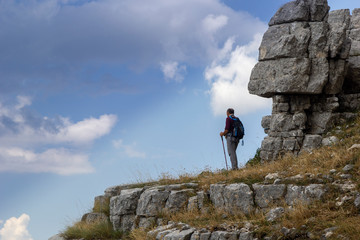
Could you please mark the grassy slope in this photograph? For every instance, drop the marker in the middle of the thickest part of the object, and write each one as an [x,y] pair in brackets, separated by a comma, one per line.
[314,218]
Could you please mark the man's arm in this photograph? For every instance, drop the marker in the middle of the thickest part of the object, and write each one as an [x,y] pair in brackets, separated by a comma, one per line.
[224,133]
[227,127]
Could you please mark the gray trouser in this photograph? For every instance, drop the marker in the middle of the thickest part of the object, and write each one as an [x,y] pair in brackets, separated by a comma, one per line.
[232,144]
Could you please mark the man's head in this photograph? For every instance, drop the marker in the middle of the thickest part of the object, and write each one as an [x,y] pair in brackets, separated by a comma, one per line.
[230,111]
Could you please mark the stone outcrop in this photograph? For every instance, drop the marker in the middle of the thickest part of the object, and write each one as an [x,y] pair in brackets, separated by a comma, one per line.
[141,207]
[309,64]
[274,196]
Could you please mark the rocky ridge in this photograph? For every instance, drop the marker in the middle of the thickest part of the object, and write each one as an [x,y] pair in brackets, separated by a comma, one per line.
[133,207]
[309,64]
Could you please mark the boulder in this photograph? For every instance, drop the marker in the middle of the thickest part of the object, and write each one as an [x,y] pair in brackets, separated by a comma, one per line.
[309,62]
[180,235]
[337,71]
[116,222]
[291,12]
[348,168]
[178,200]
[162,234]
[271,144]
[355,48]
[304,194]
[266,195]
[318,10]
[246,236]
[115,190]
[127,223]
[324,104]
[195,236]
[328,141]
[126,202]
[355,19]
[319,75]
[238,197]
[217,195]
[352,79]
[291,144]
[280,107]
[286,75]
[311,142]
[339,22]
[274,214]
[318,47]
[286,122]
[153,233]
[267,155]
[151,202]
[320,122]
[354,35]
[200,235]
[285,41]
[223,235]
[265,122]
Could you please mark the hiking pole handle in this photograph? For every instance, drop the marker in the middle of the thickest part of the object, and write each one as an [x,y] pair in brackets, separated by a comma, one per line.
[222,140]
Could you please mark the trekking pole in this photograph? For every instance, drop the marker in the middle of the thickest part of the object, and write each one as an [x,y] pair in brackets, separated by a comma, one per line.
[222,140]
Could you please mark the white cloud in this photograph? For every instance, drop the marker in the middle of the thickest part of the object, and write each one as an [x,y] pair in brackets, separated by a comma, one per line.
[213,23]
[23,101]
[129,149]
[33,143]
[21,126]
[86,130]
[229,75]
[173,71]
[59,161]
[16,229]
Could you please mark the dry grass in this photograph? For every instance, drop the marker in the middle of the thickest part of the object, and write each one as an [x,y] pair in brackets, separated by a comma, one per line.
[98,230]
[138,234]
[321,215]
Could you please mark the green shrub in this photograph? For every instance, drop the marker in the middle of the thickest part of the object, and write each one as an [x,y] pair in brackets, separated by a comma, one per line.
[256,160]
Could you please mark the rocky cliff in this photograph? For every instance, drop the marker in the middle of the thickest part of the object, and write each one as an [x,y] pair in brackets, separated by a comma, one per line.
[309,64]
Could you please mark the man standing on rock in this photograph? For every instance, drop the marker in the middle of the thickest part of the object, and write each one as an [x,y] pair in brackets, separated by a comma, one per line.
[231,141]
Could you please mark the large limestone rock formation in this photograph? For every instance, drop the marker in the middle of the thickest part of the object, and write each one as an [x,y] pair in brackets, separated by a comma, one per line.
[309,64]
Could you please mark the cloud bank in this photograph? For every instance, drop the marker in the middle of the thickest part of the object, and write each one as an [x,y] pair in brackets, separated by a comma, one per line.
[33,143]
[50,43]
[229,75]
[16,229]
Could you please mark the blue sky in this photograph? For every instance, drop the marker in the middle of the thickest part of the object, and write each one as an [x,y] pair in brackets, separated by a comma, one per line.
[100,93]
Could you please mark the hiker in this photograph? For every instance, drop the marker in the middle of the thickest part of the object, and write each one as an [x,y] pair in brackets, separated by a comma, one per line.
[231,140]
